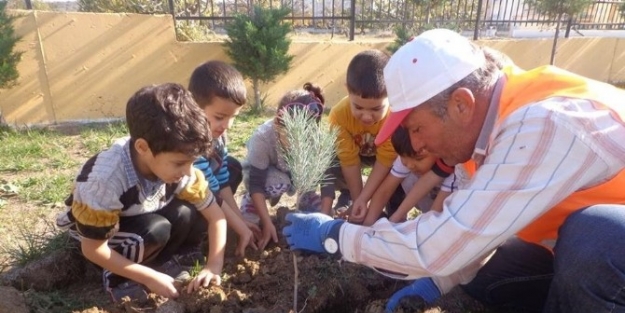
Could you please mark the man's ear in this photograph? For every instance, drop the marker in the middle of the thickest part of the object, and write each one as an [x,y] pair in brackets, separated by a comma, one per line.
[142,146]
[461,106]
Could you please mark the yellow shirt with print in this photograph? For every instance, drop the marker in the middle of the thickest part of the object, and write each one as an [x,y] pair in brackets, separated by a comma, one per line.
[356,140]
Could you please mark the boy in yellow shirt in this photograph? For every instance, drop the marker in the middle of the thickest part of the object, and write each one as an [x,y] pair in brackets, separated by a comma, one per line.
[358,118]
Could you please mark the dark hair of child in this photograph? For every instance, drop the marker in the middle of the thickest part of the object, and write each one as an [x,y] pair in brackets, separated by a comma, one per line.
[401,143]
[310,95]
[217,79]
[365,74]
[167,117]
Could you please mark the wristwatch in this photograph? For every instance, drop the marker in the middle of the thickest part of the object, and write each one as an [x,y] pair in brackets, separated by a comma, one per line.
[331,243]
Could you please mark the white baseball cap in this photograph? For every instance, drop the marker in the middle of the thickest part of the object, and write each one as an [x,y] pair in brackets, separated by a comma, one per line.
[422,68]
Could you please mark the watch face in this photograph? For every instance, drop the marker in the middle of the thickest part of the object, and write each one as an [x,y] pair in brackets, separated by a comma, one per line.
[331,245]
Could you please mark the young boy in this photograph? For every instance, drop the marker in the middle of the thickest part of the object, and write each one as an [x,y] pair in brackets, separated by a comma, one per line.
[359,117]
[411,170]
[137,205]
[219,90]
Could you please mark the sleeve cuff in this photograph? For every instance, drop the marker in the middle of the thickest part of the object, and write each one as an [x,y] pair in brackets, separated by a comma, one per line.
[350,240]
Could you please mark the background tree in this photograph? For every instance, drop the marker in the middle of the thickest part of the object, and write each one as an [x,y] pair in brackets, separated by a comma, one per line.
[258,46]
[8,57]
[124,6]
[559,9]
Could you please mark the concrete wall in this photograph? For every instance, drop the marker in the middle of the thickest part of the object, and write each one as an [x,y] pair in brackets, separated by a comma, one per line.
[84,66]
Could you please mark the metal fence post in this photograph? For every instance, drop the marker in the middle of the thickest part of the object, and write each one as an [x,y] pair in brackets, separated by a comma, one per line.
[569,24]
[171,10]
[352,21]
[476,30]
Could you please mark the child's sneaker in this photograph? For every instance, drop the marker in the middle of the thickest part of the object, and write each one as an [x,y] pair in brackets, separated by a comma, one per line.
[130,289]
[175,270]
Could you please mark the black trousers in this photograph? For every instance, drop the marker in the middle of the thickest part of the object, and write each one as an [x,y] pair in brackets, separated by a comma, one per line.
[154,238]
[236,173]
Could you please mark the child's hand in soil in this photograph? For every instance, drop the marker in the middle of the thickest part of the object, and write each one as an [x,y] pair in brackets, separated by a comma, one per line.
[269,233]
[162,285]
[246,238]
[204,278]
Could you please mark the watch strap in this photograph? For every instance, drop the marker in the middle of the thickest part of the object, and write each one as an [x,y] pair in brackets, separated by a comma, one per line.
[335,231]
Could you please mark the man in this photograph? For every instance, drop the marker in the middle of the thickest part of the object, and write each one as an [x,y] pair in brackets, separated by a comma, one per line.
[545,153]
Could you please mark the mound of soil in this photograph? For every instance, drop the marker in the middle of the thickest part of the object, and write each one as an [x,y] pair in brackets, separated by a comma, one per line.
[265,282]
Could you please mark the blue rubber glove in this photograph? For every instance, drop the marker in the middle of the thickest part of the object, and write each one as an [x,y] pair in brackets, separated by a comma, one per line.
[308,231]
[423,287]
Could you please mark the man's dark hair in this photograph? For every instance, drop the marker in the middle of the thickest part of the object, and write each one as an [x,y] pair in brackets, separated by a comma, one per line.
[167,117]
[365,74]
[217,79]
[401,143]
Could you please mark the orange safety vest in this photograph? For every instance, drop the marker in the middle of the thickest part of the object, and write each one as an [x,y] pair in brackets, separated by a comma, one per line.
[526,87]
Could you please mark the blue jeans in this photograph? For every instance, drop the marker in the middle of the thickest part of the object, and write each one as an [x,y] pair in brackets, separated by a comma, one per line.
[586,272]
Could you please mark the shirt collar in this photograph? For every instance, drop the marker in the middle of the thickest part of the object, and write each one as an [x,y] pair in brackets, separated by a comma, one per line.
[128,166]
[489,122]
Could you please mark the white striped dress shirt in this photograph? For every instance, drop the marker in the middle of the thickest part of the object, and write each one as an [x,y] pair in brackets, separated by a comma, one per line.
[532,160]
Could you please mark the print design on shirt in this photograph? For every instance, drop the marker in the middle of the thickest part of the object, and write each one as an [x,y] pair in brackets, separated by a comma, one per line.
[366,144]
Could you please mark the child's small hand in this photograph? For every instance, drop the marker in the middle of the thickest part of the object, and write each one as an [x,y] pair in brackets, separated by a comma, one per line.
[359,211]
[204,278]
[246,238]
[162,285]
[269,233]
[397,218]
[258,234]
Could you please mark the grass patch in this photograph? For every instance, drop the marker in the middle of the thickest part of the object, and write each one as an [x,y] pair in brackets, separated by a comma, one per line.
[34,151]
[96,139]
[48,188]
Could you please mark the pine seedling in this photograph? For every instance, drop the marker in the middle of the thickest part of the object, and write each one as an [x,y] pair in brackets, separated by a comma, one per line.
[310,150]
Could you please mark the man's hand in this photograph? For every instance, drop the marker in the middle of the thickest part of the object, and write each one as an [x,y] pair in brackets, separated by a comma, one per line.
[307,231]
[423,288]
